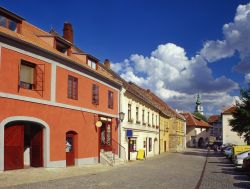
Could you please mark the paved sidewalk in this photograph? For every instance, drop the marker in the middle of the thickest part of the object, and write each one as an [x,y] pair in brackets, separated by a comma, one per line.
[32,175]
[220,173]
[168,171]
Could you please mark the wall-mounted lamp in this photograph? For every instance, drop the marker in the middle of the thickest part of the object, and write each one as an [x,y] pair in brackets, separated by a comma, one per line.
[121,116]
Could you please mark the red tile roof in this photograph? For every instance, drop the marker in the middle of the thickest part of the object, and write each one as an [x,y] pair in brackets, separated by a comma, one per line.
[229,110]
[31,35]
[193,121]
[213,118]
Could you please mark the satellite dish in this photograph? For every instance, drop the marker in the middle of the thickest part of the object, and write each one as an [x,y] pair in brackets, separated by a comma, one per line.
[98,124]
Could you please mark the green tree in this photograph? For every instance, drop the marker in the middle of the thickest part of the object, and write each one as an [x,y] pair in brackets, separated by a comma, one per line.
[199,115]
[241,116]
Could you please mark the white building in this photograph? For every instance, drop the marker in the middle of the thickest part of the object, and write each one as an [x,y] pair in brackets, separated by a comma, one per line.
[229,136]
[197,131]
[140,127]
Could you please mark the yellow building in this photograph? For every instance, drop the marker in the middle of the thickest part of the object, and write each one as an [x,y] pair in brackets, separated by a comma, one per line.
[164,133]
[177,133]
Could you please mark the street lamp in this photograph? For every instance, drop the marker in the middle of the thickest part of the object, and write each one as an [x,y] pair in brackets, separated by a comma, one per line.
[121,116]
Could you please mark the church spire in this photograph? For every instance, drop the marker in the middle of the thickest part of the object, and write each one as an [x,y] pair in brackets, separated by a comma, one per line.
[198,107]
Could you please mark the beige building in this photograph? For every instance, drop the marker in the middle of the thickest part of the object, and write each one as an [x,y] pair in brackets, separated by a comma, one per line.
[229,136]
[177,132]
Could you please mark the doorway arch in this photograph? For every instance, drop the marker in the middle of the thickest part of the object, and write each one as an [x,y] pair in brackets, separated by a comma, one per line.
[10,121]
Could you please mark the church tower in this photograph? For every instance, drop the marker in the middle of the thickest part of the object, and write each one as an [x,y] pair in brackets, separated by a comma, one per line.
[198,107]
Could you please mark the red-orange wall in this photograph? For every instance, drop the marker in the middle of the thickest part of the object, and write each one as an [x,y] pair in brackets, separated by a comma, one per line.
[84,92]
[9,74]
[60,120]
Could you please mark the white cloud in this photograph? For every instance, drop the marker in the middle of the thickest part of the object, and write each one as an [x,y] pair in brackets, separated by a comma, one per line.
[236,40]
[176,78]
[173,76]
[247,78]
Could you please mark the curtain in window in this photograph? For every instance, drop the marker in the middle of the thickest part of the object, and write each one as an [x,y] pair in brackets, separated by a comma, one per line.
[27,74]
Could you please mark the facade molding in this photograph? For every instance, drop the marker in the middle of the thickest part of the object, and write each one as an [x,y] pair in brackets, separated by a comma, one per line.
[56,104]
[46,137]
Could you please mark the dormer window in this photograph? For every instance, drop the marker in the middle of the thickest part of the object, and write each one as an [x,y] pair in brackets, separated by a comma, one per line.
[92,64]
[61,47]
[10,20]
[8,23]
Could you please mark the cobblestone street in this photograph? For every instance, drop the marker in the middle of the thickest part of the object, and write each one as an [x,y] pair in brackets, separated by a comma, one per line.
[170,170]
[221,173]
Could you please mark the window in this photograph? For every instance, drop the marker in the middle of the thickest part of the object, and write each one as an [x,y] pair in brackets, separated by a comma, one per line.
[149,144]
[132,144]
[27,75]
[72,87]
[152,119]
[137,115]
[129,113]
[95,94]
[156,119]
[110,99]
[8,23]
[91,64]
[61,46]
[143,120]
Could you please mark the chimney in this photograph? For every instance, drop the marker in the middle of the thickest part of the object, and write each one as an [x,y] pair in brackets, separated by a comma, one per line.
[68,32]
[107,63]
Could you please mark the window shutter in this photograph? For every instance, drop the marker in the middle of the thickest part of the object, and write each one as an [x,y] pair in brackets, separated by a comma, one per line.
[39,78]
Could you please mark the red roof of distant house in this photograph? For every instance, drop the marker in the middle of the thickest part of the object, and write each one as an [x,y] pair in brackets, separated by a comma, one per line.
[213,118]
[193,121]
[229,110]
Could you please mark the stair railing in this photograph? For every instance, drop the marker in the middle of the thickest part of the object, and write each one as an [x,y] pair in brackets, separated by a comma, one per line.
[118,149]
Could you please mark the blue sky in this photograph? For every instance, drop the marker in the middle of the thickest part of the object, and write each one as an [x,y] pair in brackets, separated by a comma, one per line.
[176,48]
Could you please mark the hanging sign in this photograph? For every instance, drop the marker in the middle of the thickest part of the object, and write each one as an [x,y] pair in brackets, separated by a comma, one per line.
[98,124]
[129,133]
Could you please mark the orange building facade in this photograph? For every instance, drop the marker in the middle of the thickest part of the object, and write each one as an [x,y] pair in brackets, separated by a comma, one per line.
[52,94]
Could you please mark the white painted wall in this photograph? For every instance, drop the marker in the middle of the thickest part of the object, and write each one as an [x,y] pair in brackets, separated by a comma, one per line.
[229,136]
[141,132]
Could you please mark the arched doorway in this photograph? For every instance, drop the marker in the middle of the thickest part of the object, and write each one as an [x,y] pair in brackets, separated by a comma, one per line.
[23,145]
[201,142]
[71,147]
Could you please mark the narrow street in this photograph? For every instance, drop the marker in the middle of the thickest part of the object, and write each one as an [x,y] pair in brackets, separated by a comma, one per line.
[170,170]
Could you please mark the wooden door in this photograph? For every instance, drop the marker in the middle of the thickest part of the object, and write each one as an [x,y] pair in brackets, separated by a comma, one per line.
[13,147]
[70,155]
[36,147]
[106,137]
